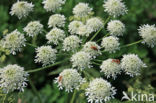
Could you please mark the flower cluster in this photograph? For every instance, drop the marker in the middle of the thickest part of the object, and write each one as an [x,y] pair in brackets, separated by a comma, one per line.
[55,36]
[45,55]
[69,79]
[56,20]
[115,7]
[71,43]
[132,64]
[33,28]
[21,9]
[81,60]
[13,77]
[110,44]
[99,91]
[14,41]
[82,10]
[148,33]
[53,5]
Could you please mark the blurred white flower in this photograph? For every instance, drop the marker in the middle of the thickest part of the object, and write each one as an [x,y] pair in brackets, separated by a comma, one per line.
[95,23]
[14,41]
[13,77]
[116,28]
[56,20]
[132,64]
[115,7]
[81,60]
[92,48]
[74,26]
[69,79]
[99,91]
[84,31]
[82,10]
[71,43]
[111,67]
[110,44]
[53,5]
[21,9]
[45,55]
[33,28]
[55,36]
[148,33]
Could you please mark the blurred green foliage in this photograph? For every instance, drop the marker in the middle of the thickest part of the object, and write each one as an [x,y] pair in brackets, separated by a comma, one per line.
[140,12]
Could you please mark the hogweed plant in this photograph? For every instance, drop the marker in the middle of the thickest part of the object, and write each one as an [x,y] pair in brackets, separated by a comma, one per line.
[78,46]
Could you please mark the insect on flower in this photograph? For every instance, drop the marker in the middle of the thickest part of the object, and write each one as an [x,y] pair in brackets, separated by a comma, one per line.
[116,61]
[94,48]
[60,79]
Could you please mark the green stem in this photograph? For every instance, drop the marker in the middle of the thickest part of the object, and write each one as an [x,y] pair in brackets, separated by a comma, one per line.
[98,60]
[106,35]
[96,63]
[100,28]
[34,40]
[131,44]
[34,46]
[35,90]
[73,97]
[102,38]
[42,68]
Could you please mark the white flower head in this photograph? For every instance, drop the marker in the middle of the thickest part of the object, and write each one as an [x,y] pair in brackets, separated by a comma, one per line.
[33,28]
[132,64]
[110,44]
[45,55]
[56,20]
[115,7]
[95,23]
[71,43]
[116,28]
[21,9]
[92,48]
[99,91]
[74,26]
[55,36]
[148,33]
[82,10]
[69,79]
[14,41]
[111,67]
[53,5]
[13,77]
[81,60]
[84,31]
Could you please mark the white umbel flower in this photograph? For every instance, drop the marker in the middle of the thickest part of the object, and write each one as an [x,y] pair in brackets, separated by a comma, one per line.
[33,28]
[69,79]
[115,7]
[56,20]
[92,48]
[45,55]
[132,64]
[99,91]
[95,23]
[82,10]
[21,9]
[111,67]
[84,31]
[13,77]
[74,26]
[14,41]
[71,43]
[116,28]
[53,5]
[55,36]
[148,33]
[110,44]
[81,60]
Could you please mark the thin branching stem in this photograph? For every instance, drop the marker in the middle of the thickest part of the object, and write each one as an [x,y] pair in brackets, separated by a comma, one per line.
[131,44]
[73,97]
[43,68]
[34,46]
